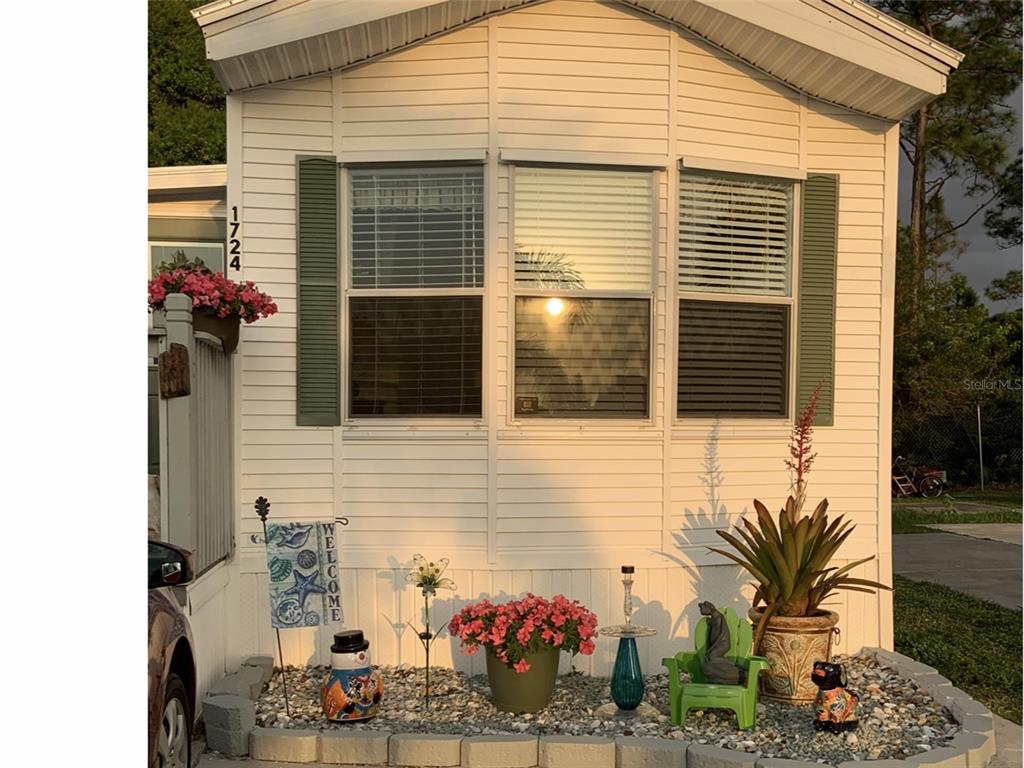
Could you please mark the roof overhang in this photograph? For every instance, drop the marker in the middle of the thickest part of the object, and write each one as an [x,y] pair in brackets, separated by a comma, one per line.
[260,42]
[189,180]
[840,51]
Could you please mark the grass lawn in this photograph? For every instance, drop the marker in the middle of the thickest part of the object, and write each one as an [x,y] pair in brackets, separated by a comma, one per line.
[910,520]
[976,644]
[1010,499]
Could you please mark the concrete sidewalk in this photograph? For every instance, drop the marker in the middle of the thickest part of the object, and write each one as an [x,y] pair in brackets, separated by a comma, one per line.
[989,570]
[1008,744]
[1008,533]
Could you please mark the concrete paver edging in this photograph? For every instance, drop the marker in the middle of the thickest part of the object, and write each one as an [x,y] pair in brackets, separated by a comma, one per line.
[972,748]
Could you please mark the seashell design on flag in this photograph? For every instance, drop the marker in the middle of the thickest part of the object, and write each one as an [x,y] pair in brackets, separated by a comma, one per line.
[302,563]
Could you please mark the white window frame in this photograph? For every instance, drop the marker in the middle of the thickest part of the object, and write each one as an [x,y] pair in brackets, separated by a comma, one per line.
[579,422]
[349,419]
[791,301]
[184,244]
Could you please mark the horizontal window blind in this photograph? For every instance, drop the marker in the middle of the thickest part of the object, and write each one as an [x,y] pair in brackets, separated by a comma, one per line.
[583,229]
[582,357]
[415,356]
[417,228]
[734,235]
[733,358]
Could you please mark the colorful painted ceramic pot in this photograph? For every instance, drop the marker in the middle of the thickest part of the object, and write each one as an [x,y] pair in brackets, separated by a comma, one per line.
[354,689]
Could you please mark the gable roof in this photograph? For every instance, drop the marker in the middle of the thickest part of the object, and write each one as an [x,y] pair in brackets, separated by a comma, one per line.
[840,51]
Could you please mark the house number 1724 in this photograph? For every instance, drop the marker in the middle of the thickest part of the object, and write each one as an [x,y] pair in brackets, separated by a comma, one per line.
[234,243]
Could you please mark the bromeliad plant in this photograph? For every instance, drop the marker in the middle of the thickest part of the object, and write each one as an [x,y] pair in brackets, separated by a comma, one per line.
[519,627]
[790,558]
[210,291]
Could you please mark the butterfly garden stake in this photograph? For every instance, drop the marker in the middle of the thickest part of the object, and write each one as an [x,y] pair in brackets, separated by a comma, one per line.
[429,577]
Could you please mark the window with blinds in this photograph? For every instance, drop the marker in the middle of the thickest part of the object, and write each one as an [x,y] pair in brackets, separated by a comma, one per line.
[582,229]
[584,246]
[734,235]
[417,228]
[415,356]
[413,232]
[733,358]
[582,357]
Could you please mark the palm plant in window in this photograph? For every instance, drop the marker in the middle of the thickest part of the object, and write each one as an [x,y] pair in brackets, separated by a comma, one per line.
[789,558]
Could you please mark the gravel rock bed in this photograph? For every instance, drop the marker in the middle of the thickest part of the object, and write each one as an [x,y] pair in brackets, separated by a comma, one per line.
[897,719]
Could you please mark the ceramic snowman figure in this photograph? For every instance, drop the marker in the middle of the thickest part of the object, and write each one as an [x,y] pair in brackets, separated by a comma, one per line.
[354,689]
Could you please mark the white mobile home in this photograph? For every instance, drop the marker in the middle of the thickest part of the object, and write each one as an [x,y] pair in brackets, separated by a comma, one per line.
[555,278]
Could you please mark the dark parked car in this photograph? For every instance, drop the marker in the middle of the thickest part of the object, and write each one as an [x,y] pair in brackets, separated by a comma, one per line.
[172,667]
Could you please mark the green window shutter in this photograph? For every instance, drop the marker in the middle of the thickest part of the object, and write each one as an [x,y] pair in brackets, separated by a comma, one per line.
[153,419]
[318,371]
[816,326]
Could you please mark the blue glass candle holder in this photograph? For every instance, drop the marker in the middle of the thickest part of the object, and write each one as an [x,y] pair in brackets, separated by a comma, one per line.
[627,679]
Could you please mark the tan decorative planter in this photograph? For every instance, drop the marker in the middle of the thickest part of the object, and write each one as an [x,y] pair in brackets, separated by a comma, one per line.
[792,644]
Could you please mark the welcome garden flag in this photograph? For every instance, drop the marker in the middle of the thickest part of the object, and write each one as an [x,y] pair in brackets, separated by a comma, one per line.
[303,568]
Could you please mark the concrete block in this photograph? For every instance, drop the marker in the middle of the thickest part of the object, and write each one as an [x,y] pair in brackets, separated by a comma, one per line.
[942,757]
[229,713]
[982,724]
[872,764]
[575,752]
[229,685]
[264,663]
[253,677]
[780,762]
[499,751]
[284,745]
[962,705]
[902,664]
[931,681]
[707,756]
[978,748]
[647,752]
[343,747]
[228,741]
[425,749]
[246,682]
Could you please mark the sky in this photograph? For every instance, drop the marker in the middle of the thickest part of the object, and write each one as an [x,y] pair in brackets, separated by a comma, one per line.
[983,259]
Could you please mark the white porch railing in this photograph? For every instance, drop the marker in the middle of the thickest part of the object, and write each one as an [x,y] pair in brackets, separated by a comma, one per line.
[195,444]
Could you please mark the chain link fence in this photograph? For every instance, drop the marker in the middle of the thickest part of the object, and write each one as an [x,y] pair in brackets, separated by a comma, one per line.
[949,441]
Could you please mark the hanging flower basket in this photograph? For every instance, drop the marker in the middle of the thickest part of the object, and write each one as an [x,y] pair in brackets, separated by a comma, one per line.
[224,328]
[218,304]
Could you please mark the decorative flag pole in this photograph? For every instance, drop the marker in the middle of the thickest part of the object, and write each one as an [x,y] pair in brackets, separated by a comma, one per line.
[263,509]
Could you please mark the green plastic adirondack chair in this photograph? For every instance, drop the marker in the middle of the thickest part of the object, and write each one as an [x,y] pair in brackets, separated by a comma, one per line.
[741,699]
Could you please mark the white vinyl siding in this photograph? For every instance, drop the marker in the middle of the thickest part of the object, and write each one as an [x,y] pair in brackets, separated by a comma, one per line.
[728,110]
[539,505]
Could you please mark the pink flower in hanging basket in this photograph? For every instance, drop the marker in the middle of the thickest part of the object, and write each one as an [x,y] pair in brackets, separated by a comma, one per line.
[210,291]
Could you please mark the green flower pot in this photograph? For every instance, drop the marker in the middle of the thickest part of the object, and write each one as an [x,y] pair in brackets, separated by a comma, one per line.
[527,692]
